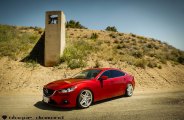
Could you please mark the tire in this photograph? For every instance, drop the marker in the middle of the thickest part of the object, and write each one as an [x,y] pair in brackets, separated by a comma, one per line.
[129,90]
[84,99]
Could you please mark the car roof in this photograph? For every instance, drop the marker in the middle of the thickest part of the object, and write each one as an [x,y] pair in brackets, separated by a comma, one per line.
[105,68]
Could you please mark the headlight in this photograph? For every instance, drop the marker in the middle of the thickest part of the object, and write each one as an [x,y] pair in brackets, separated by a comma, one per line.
[67,89]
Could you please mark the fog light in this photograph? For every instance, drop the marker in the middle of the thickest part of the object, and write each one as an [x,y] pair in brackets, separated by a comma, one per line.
[65,101]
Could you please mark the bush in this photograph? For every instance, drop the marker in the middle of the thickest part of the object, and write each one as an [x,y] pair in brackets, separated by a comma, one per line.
[140,63]
[137,54]
[97,64]
[181,59]
[94,36]
[133,35]
[163,60]
[76,63]
[120,46]
[76,53]
[113,29]
[150,45]
[159,66]
[116,41]
[112,35]
[152,64]
[31,64]
[74,24]
[38,29]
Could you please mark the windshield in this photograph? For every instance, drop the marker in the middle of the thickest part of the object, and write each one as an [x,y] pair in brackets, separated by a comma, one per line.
[87,74]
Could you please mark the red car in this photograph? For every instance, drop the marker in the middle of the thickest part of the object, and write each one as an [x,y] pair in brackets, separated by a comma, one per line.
[88,86]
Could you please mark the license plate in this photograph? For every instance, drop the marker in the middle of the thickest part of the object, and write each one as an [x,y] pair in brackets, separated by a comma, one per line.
[46,99]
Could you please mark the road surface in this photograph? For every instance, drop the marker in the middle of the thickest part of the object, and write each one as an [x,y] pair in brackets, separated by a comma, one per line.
[141,106]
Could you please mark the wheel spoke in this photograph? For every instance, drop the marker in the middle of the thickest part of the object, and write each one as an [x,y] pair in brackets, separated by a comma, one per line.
[82,101]
[85,98]
[82,96]
[87,94]
[89,97]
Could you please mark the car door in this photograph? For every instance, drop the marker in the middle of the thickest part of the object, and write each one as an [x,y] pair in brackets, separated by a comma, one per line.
[106,88]
[118,82]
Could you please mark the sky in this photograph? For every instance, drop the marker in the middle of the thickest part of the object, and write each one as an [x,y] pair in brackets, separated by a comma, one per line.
[159,19]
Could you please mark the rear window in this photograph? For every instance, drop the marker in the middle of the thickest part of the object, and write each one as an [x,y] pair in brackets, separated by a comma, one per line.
[116,73]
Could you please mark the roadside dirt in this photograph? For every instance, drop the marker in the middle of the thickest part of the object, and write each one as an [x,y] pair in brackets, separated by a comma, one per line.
[157,105]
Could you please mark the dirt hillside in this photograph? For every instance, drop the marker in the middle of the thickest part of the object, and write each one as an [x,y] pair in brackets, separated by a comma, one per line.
[154,64]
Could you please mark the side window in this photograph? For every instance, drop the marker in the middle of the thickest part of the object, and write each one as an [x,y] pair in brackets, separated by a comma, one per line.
[107,73]
[116,73]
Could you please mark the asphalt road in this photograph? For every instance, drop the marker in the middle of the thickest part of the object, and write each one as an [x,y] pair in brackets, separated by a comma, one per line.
[142,106]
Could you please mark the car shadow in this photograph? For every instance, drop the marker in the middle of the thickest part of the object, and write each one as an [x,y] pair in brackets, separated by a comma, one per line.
[44,106]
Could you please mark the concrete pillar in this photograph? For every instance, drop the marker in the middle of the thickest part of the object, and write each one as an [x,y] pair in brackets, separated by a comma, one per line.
[54,37]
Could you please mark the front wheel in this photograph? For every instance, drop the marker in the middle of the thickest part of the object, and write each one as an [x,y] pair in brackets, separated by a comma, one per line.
[84,99]
[129,90]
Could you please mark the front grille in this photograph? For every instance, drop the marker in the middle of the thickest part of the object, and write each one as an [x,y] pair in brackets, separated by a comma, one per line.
[52,102]
[48,92]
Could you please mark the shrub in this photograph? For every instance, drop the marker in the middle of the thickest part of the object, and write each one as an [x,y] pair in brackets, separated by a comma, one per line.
[152,54]
[120,46]
[110,59]
[140,63]
[74,24]
[151,45]
[163,60]
[76,63]
[159,66]
[121,34]
[181,59]
[38,29]
[31,64]
[113,29]
[97,64]
[112,35]
[116,41]
[152,64]
[137,54]
[85,36]
[94,36]
[133,35]
[76,53]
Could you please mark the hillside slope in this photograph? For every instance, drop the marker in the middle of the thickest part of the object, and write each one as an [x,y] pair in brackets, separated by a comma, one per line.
[154,64]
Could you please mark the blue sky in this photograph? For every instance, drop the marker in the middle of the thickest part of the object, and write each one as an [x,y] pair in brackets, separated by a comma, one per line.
[159,19]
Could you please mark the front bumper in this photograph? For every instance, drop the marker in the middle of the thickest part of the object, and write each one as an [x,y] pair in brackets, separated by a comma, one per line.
[61,99]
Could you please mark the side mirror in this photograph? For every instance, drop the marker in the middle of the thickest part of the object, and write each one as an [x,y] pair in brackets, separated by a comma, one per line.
[103,77]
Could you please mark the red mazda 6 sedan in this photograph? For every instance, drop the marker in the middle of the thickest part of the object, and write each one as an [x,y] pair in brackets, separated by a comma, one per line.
[88,86]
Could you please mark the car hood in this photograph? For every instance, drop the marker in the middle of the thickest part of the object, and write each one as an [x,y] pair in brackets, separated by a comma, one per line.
[64,83]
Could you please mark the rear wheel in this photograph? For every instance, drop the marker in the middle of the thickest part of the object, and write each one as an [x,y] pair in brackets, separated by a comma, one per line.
[129,90]
[85,99]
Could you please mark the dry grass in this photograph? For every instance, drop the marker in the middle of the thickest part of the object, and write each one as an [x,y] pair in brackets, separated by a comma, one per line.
[16,42]
[85,47]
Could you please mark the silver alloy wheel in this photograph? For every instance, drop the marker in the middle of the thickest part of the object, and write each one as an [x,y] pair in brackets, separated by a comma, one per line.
[129,90]
[85,98]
